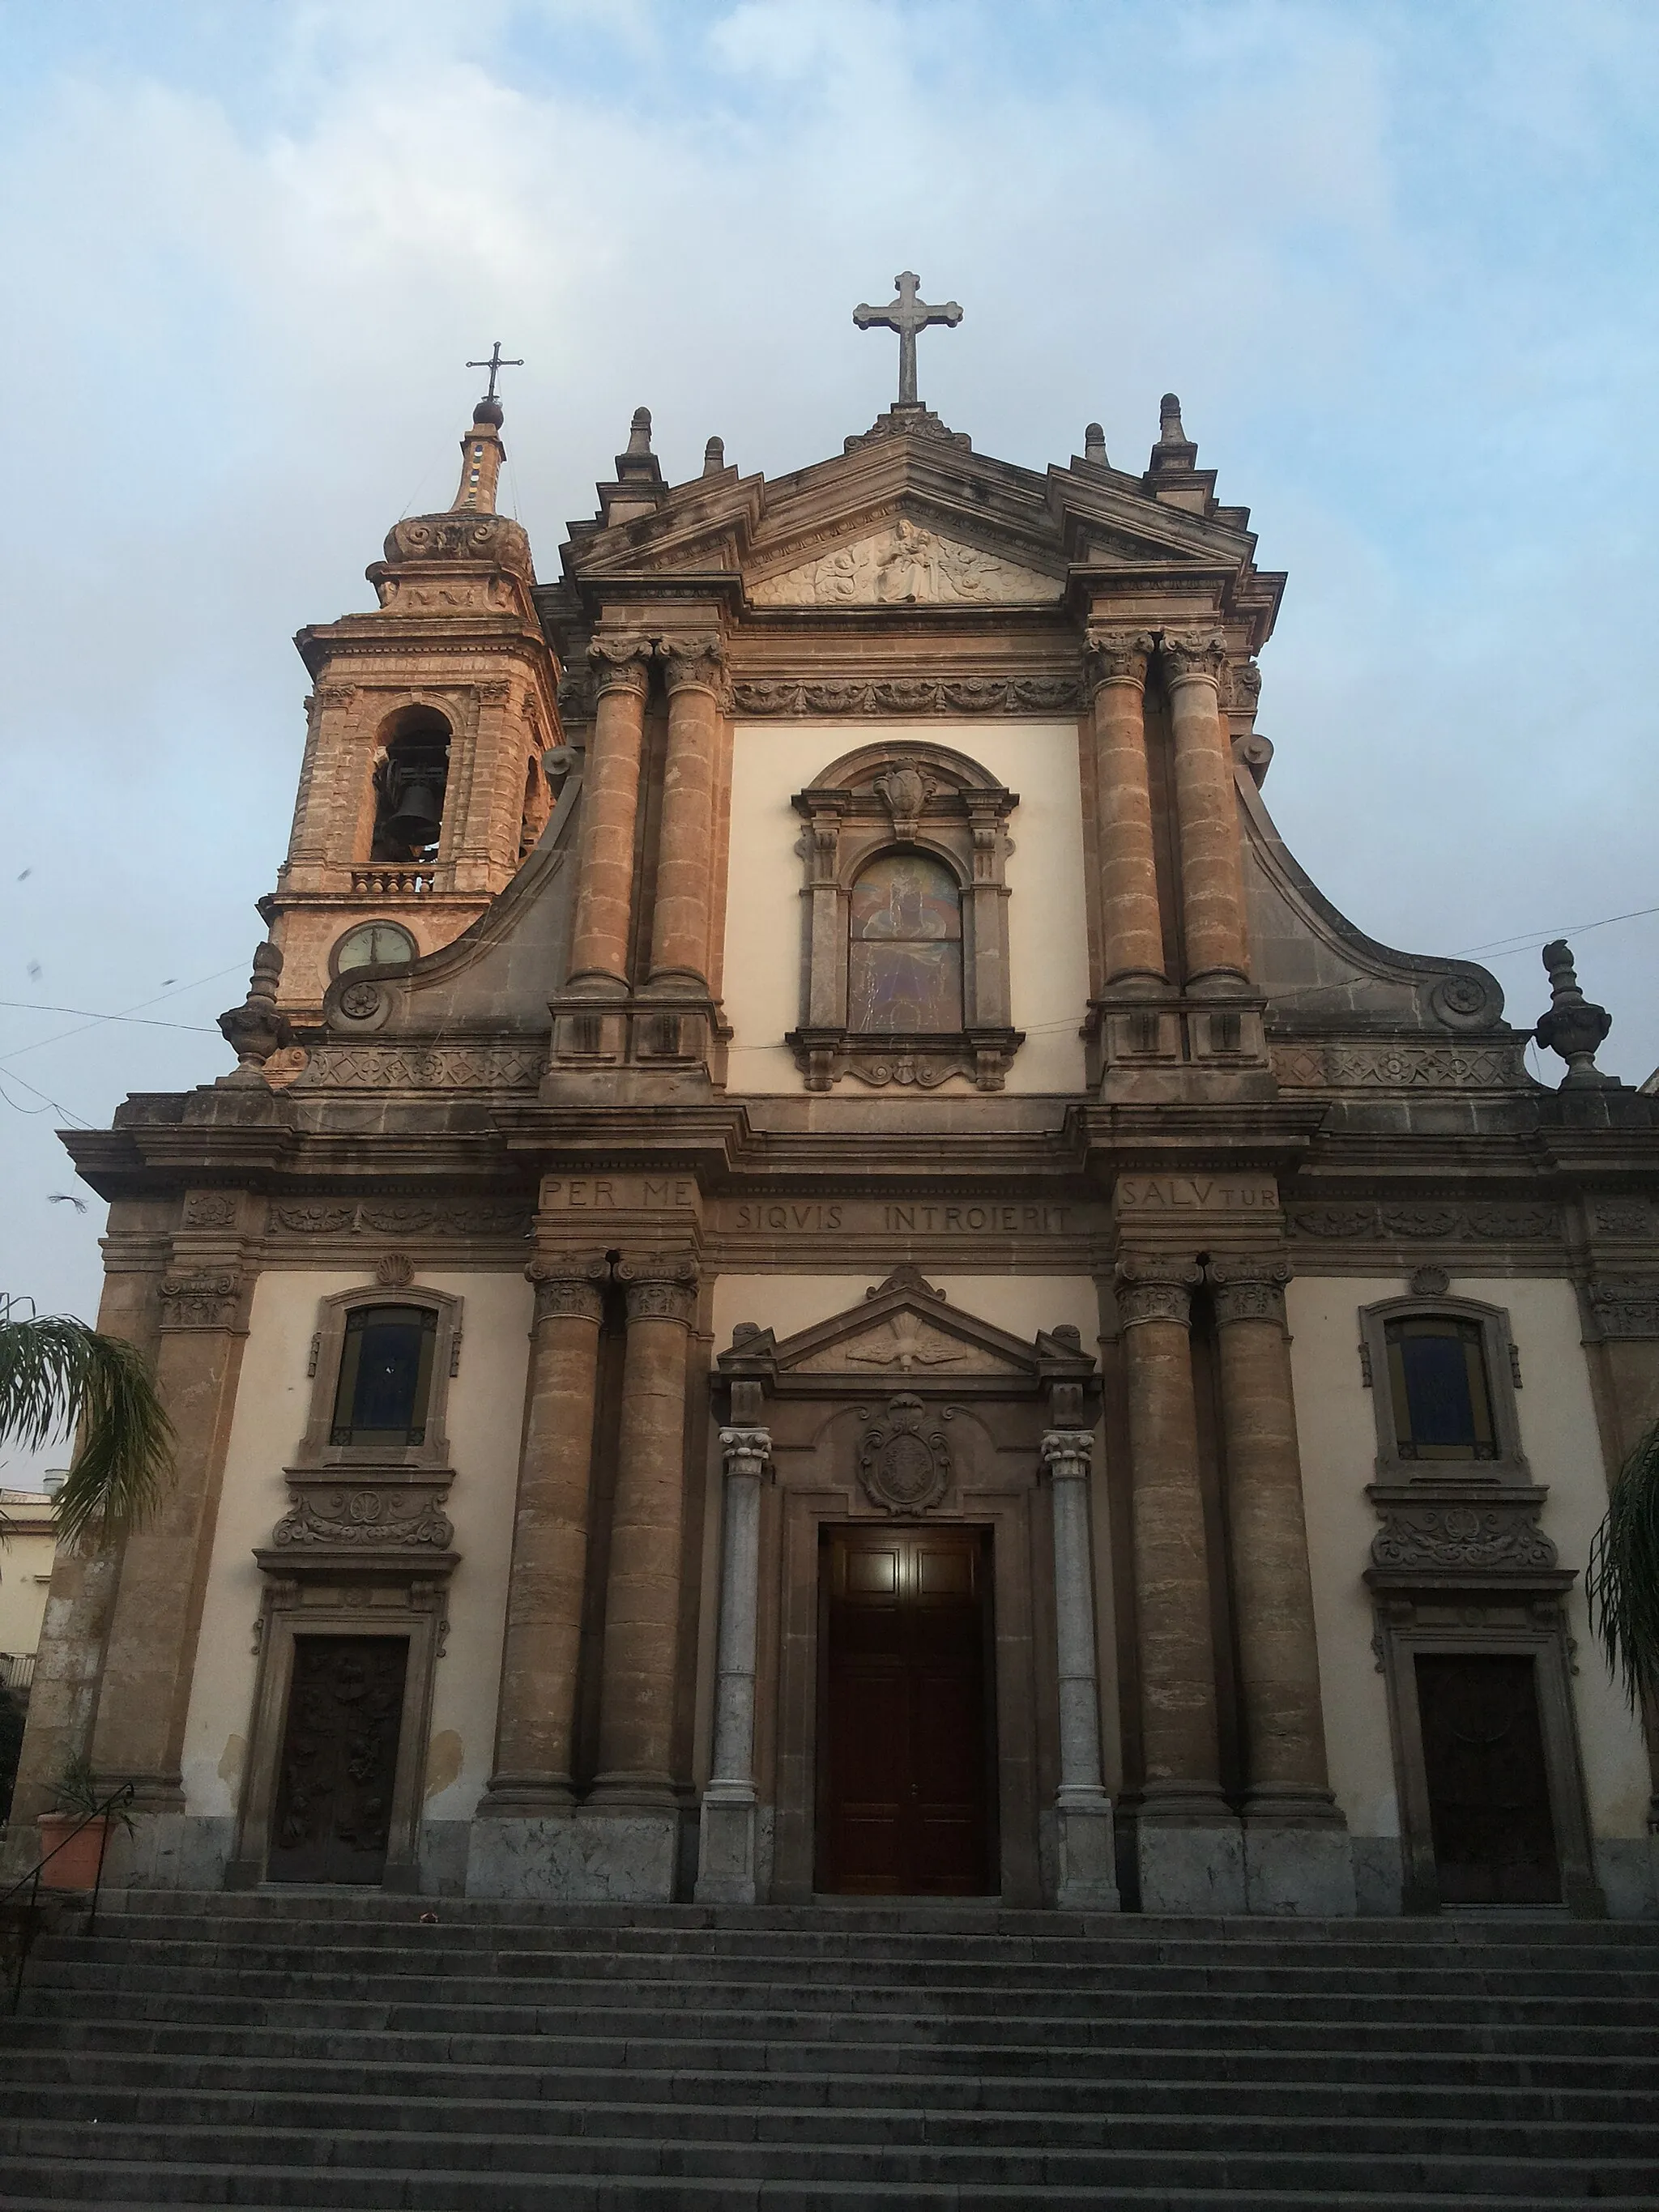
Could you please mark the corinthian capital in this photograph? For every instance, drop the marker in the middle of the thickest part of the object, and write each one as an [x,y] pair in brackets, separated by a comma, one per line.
[695,663]
[747,1453]
[1250,1288]
[1065,1454]
[1154,1288]
[569,1284]
[1116,656]
[661,1286]
[621,663]
[1193,652]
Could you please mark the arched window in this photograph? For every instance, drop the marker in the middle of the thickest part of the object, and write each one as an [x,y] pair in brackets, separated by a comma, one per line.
[410,784]
[1438,1383]
[904,960]
[386,1375]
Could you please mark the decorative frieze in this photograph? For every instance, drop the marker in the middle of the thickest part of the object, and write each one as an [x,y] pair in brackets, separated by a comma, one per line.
[1429,1221]
[1624,1306]
[211,1299]
[903,1469]
[1622,1217]
[910,695]
[415,1067]
[474,1217]
[210,1209]
[1497,1535]
[378,1517]
[1401,1066]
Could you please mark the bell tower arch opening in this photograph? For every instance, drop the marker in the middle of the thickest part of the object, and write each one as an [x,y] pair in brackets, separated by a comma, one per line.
[411,776]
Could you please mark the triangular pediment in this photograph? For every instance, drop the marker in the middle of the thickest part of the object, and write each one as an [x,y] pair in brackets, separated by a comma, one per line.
[904,563]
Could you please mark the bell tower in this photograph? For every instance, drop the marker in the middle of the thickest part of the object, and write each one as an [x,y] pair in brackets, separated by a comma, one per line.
[422,788]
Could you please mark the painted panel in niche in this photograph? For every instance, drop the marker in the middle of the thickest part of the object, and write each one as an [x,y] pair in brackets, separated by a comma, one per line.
[904,964]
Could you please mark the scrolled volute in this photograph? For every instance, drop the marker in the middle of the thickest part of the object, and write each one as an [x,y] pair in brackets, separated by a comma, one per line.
[1249,1288]
[569,1284]
[1116,656]
[1154,1288]
[661,1286]
[1193,652]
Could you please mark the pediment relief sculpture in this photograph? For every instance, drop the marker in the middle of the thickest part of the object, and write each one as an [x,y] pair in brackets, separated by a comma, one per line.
[905,1343]
[905,564]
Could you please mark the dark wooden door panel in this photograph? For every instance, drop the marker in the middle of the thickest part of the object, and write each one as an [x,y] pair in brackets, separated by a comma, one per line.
[1489,1800]
[906,1782]
[339,1758]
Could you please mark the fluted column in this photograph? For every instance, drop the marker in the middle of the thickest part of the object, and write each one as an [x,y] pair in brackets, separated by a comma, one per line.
[641,1613]
[1202,1871]
[726,1860]
[610,801]
[1085,1878]
[1286,1777]
[536,1716]
[1132,929]
[685,843]
[1207,815]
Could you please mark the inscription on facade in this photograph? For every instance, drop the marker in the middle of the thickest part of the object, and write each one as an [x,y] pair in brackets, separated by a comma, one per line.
[1160,1195]
[619,1194]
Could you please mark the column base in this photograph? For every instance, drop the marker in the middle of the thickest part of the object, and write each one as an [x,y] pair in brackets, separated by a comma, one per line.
[1299,1857]
[1086,1853]
[1189,1853]
[526,1797]
[598,1855]
[727,1873]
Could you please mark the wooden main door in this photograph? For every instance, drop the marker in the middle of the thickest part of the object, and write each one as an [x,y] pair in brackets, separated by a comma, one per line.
[1489,1799]
[339,1758]
[907,1764]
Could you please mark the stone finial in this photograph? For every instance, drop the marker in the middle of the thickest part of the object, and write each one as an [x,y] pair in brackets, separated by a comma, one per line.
[1094,445]
[639,433]
[1574,1025]
[1174,449]
[255,1030]
[714,457]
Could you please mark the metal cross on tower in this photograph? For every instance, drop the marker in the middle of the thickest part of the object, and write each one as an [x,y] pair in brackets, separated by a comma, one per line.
[906,315]
[495,365]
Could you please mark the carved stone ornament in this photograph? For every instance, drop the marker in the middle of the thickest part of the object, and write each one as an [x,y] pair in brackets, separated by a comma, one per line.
[621,664]
[568,1286]
[1156,1289]
[1494,1537]
[661,1286]
[905,564]
[210,1209]
[1342,1066]
[403,1217]
[1625,1306]
[906,790]
[212,1299]
[1429,1222]
[417,1067]
[746,1453]
[394,1269]
[494,539]
[1623,1217]
[364,1518]
[256,1029]
[903,1469]
[1249,1289]
[1116,656]
[1197,652]
[1065,1454]
[695,663]
[917,694]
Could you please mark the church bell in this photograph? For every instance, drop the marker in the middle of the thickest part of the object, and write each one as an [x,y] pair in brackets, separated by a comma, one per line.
[419,812]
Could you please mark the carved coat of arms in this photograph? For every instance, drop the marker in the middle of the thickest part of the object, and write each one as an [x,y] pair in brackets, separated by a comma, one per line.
[904,1468]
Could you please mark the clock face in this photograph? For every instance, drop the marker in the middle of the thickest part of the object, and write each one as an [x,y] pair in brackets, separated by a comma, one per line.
[374,944]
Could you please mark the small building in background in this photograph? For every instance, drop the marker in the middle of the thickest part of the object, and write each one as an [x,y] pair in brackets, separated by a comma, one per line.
[28,1544]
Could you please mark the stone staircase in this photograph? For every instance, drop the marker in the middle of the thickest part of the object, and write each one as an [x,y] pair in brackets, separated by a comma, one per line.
[324,2050]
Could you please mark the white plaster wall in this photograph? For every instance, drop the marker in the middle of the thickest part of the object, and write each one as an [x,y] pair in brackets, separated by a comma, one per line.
[1338,1431]
[483,1418]
[27,1552]
[1047,930]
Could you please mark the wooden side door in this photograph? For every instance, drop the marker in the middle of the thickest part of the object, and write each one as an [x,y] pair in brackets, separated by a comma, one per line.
[333,1811]
[906,1770]
[1489,1800]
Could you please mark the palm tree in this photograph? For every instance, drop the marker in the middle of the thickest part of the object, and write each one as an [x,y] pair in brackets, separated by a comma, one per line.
[1622,1585]
[56,1373]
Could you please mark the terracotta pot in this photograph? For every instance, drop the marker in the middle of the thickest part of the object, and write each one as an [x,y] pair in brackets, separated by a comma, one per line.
[75,1867]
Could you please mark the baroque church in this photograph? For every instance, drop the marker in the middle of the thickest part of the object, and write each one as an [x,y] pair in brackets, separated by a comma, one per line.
[826,1273]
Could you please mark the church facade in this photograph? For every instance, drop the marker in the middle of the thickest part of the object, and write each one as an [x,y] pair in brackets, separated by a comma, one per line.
[825,1272]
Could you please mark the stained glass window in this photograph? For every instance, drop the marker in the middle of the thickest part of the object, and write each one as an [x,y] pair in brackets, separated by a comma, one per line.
[386,1375]
[1438,1379]
[904,964]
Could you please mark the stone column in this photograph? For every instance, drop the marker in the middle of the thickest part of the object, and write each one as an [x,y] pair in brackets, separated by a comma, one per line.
[610,801]
[535,1719]
[642,1594]
[1187,1842]
[150,1657]
[1296,1855]
[726,1860]
[1132,929]
[685,840]
[1206,817]
[1085,1855]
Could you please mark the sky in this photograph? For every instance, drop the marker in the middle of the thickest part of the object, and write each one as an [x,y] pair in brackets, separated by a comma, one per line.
[1398,260]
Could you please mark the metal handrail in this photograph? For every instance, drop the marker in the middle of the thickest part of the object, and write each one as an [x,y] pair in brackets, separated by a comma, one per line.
[31,1880]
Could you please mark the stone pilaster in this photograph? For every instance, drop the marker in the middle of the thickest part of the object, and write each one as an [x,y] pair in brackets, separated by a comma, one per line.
[1206,816]
[727,1853]
[1132,930]
[685,843]
[610,801]
[1085,1855]
[150,1657]
[1188,1843]
[536,1716]
[1297,1856]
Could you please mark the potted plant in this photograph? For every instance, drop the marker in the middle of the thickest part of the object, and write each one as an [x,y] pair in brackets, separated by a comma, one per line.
[72,1840]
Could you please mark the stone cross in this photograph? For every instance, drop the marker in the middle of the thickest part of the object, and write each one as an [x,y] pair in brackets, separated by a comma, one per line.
[906,315]
[495,365]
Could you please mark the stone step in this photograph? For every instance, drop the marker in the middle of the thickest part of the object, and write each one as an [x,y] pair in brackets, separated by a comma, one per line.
[1309,2053]
[406,2153]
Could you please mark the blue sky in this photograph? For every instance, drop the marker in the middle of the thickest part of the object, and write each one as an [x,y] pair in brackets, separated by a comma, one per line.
[1397,259]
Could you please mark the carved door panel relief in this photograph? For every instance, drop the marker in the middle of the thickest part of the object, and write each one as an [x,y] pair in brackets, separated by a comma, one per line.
[1483,1753]
[339,1759]
[907,1753]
